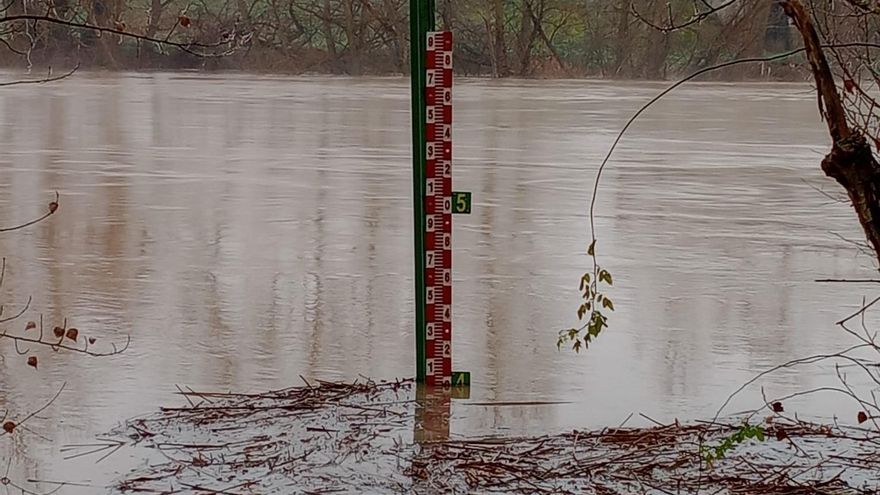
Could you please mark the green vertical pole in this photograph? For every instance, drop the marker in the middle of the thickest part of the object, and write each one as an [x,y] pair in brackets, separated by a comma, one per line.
[421,20]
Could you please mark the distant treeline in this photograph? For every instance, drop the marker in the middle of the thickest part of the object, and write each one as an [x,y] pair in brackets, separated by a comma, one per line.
[499,38]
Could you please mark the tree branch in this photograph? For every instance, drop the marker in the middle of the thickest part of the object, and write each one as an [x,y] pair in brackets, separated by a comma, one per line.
[53,207]
[184,46]
[670,26]
[49,78]
[829,99]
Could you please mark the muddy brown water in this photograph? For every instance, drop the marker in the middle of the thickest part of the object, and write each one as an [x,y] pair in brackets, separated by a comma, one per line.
[244,231]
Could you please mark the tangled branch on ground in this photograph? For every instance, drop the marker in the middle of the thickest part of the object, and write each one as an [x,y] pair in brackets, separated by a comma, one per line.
[356,438]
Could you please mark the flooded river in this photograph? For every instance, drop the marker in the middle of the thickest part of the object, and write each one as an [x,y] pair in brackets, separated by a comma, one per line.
[246,231]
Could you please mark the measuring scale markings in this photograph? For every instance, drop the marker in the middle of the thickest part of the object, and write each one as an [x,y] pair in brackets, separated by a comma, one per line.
[438,209]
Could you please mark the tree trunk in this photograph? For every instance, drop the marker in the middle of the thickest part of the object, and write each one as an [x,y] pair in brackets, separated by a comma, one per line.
[525,39]
[329,40]
[398,33]
[156,8]
[538,26]
[499,45]
[353,33]
[658,46]
[621,48]
[104,13]
[447,9]
[850,161]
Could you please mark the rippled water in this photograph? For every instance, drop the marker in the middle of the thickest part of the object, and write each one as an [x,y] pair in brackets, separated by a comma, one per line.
[244,231]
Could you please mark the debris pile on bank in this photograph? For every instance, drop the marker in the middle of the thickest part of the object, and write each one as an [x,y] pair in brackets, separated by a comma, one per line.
[359,438]
[664,459]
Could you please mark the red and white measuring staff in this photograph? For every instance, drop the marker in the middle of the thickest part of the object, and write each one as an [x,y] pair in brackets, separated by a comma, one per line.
[438,209]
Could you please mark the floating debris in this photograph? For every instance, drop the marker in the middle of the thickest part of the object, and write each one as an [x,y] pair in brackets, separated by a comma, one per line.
[376,438]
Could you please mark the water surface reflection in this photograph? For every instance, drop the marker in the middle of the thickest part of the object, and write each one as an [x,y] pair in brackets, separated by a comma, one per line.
[248,230]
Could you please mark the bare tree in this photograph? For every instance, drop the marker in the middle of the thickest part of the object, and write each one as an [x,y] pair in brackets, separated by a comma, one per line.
[499,38]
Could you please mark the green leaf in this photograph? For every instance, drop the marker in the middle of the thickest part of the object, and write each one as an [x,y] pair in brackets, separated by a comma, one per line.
[747,431]
[608,304]
[596,323]
[592,249]
[585,281]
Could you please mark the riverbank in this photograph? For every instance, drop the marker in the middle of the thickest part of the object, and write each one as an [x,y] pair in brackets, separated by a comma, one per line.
[767,73]
[390,438]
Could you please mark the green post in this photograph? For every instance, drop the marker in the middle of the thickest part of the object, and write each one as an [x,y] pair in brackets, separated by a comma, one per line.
[421,20]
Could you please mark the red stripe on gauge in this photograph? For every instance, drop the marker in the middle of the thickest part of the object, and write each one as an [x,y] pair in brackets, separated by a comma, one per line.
[438,209]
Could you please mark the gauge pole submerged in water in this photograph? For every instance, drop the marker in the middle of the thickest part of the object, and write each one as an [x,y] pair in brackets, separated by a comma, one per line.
[434,202]
[421,20]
